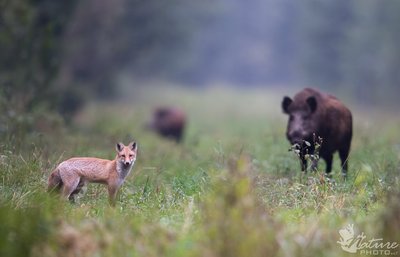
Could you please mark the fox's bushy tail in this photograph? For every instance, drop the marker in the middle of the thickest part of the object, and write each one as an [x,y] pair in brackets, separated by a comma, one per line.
[55,182]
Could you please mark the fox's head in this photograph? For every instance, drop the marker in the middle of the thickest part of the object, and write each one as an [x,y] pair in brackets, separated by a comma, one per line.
[126,154]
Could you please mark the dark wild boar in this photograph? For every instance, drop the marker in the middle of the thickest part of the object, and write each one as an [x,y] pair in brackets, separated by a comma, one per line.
[168,122]
[313,112]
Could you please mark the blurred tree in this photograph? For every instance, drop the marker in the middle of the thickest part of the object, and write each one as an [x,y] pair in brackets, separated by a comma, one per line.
[30,35]
[372,56]
[145,37]
[324,27]
[92,48]
[352,45]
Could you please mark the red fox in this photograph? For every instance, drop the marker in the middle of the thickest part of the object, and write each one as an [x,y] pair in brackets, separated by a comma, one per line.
[71,175]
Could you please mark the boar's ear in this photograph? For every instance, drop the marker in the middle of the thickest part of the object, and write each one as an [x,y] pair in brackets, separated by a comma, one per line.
[133,146]
[312,103]
[285,104]
[119,147]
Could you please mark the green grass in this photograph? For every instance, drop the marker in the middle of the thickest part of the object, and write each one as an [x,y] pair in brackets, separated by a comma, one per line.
[231,189]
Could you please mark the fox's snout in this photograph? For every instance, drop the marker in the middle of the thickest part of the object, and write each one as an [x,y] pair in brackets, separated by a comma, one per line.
[128,160]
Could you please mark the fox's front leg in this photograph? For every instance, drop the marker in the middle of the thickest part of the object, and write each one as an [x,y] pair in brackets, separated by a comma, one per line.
[112,194]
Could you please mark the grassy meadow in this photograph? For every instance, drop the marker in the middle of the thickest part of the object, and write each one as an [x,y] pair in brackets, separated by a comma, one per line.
[231,189]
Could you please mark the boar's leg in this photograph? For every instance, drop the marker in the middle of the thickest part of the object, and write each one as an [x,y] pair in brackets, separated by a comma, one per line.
[303,163]
[328,159]
[344,155]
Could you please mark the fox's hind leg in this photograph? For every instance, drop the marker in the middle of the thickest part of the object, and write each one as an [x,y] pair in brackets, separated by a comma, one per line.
[70,186]
[78,188]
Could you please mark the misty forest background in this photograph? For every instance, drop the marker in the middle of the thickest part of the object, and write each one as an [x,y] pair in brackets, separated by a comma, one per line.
[56,55]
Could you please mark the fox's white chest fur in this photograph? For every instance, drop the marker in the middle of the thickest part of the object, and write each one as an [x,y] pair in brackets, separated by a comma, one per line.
[123,171]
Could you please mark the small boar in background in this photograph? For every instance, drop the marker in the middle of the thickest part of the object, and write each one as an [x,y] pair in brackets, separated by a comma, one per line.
[316,114]
[168,122]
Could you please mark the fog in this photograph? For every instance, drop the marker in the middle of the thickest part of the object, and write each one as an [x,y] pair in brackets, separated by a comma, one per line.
[336,44]
[58,53]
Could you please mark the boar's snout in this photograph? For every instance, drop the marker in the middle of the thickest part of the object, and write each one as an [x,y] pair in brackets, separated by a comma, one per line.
[296,136]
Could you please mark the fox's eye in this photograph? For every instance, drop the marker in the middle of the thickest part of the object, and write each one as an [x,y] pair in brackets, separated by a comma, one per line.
[130,156]
[123,156]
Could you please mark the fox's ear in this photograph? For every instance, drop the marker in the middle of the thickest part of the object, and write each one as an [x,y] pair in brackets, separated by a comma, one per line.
[119,147]
[133,146]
